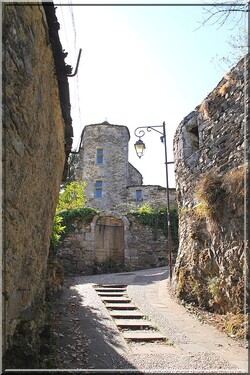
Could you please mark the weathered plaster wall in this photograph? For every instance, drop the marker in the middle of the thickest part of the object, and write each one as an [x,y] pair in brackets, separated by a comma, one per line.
[209,159]
[143,247]
[33,163]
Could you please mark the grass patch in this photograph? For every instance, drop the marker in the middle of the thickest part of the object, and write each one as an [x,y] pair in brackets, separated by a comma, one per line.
[211,194]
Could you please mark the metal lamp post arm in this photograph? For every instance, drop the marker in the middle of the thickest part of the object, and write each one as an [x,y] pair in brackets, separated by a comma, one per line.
[139,133]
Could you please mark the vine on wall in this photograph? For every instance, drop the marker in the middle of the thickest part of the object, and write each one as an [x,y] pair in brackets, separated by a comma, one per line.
[157,219]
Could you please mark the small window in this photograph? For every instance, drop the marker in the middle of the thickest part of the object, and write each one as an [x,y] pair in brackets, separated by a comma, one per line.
[98,189]
[139,195]
[194,139]
[99,156]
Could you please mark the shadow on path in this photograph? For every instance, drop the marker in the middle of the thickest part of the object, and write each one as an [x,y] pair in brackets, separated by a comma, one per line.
[85,338]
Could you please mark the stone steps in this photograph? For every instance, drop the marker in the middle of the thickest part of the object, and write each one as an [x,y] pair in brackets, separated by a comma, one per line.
[115,299]
[143,336]
[120,306]
[108,286]
[133,323]
[129,314]
[111,294]
[111,290]
[127,317]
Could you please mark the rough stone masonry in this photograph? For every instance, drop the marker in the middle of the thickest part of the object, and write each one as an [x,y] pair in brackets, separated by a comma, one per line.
[37,130]
[209,167]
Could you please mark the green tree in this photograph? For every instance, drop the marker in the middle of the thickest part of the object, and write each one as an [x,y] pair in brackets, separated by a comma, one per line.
[73,196]
[57,231]
[71,202]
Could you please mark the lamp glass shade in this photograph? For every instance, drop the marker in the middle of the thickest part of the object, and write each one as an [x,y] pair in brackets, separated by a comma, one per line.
[139,148]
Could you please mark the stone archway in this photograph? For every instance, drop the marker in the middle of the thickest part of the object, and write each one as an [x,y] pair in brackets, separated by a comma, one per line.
[109,239]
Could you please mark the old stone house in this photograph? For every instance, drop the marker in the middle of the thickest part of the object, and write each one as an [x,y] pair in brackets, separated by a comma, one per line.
[210,169]
[114,187]
[112,182]
[37,138]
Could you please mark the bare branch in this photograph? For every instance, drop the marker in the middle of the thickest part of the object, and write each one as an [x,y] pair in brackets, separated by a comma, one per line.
[222,13]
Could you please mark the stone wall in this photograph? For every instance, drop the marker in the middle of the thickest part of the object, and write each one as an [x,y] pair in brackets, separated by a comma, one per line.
[134,176]
[33,164]
[209,167]
[77,251]
[147,248]
[154,195]
[143,247]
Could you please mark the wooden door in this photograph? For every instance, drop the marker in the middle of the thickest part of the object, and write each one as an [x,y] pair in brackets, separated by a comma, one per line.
[109,239]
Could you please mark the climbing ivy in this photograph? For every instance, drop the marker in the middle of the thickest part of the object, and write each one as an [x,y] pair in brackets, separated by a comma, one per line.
[157,219]
[65,220]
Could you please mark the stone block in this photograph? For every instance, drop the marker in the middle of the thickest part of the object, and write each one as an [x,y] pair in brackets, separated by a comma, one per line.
[26,298]
[131,252]
[14,305]
[132,261]
[89,237]
[68,264]
[82,266]
[80,238]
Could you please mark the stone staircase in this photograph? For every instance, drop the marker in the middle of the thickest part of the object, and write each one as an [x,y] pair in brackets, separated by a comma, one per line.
[131,322]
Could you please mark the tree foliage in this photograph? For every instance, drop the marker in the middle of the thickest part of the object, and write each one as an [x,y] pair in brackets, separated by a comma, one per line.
[57,230]
[73,196]
[71,204]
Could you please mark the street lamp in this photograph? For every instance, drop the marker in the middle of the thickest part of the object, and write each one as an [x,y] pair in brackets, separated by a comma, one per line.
[140,147]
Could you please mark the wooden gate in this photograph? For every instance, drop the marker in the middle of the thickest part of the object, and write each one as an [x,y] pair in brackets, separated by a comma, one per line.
[109,239]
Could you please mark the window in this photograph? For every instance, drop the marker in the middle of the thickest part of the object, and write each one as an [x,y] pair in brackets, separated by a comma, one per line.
[98,189]
[99,156]
[139,195]
[194,139]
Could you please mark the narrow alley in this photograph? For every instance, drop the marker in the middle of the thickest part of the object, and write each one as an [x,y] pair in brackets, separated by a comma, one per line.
[129,321]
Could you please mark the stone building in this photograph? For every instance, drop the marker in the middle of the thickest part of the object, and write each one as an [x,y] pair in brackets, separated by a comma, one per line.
[209,167]
[37,137]
[112,182]
[114,187]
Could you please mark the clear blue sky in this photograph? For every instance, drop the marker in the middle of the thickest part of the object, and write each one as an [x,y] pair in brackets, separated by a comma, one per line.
[140,66]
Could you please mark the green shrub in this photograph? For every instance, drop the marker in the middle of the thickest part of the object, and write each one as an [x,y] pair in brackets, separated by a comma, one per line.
[57,231]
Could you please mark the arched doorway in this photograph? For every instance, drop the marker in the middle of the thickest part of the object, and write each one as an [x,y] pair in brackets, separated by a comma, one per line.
[109,239]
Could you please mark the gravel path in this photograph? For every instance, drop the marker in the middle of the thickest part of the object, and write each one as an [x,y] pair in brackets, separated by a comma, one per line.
[92,337]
